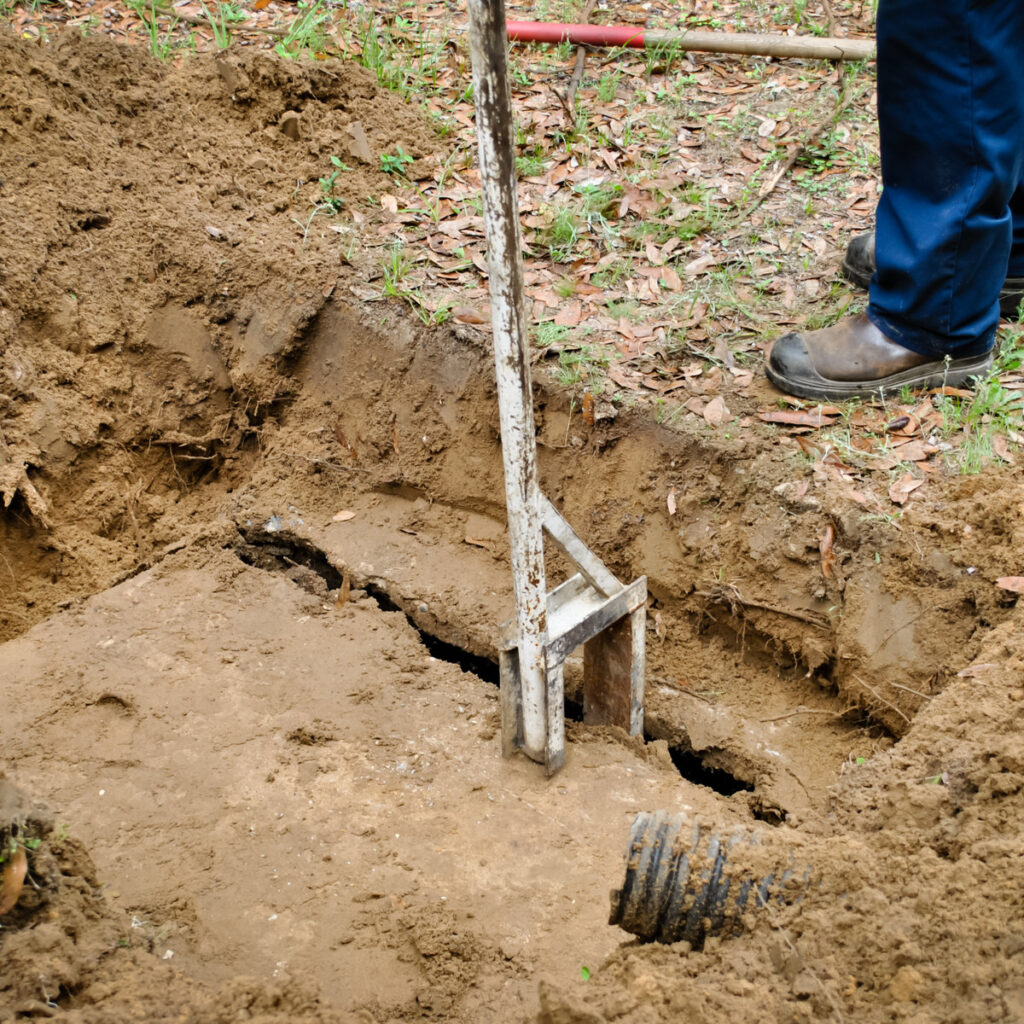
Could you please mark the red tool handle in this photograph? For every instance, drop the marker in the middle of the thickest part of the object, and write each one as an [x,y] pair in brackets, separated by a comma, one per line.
[595,35]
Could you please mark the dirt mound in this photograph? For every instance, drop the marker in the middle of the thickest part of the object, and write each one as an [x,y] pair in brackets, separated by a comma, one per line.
[63,944]
[917,915]
[159,256]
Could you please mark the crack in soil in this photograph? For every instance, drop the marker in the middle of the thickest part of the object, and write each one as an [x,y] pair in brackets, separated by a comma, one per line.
[283,553]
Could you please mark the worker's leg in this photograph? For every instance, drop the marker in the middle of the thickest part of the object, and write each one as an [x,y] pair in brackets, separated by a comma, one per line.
[951,125]
[1017,248]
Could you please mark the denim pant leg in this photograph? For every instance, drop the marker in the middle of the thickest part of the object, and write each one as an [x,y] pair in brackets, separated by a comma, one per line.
[951,128]
[1017,248]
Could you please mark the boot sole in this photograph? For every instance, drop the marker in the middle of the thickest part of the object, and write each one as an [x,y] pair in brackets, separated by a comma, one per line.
[957,373]
[1010,296]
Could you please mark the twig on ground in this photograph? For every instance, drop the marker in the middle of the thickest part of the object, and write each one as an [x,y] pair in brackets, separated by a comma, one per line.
[831,15]
[808,140]
[809,711]
[916,693]
[881,699]
[565,105]
[316,462]
[577,74]
[683,689]
[814,974]
[731,595]
[903,625]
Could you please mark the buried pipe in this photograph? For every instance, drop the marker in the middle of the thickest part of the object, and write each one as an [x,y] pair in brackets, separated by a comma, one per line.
[752,43]
[680,876]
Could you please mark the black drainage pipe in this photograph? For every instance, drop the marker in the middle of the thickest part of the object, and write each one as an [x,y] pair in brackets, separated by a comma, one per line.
[679,879]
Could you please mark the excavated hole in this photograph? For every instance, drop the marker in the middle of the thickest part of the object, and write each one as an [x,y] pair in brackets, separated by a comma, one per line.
[284,554]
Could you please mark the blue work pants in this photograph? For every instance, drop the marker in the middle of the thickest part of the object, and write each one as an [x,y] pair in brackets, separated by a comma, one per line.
[950,224]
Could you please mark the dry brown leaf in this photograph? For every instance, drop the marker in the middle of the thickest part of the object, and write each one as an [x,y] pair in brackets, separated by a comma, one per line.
[828,557]
[14,874]
[569,315]
[699,265]
[1001,449]
[588,408]
[723,353]
[867,419]
[952,392]
[343,516]
[715,412]
[469,315]
[671,280]
[1015,584]
[809,447]
[903,488]
[624,380]
[914,451]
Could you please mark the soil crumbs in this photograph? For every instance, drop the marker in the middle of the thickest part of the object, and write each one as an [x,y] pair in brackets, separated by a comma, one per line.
[236,515]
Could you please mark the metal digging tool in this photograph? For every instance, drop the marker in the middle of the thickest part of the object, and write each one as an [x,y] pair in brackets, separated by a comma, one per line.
[592,607]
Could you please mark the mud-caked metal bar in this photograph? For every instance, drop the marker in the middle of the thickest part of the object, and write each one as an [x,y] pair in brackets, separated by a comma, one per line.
[515,398]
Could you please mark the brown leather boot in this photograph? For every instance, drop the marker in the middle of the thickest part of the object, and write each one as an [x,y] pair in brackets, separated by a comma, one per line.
[854,359]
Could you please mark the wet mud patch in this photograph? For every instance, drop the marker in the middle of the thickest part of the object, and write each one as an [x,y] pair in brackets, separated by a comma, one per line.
[277,782]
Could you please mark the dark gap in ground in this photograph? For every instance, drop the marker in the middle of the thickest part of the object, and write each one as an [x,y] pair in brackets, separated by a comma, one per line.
[276,553]
[692,767]
[486,669]
[279,554]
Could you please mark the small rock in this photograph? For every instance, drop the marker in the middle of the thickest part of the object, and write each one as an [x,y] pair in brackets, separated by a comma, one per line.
[804,985]
[510,949]
[215,233]
[906,984]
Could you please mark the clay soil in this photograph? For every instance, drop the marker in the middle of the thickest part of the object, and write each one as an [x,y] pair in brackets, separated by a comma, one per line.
[253,555]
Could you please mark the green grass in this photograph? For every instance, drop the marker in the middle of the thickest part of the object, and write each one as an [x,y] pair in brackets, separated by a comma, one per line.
[990,412]
[306,33]
[530,166]
[221,19]
[395,163]
[547,333]
[563,234]
[583,366]
[327,185]
[161,41]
